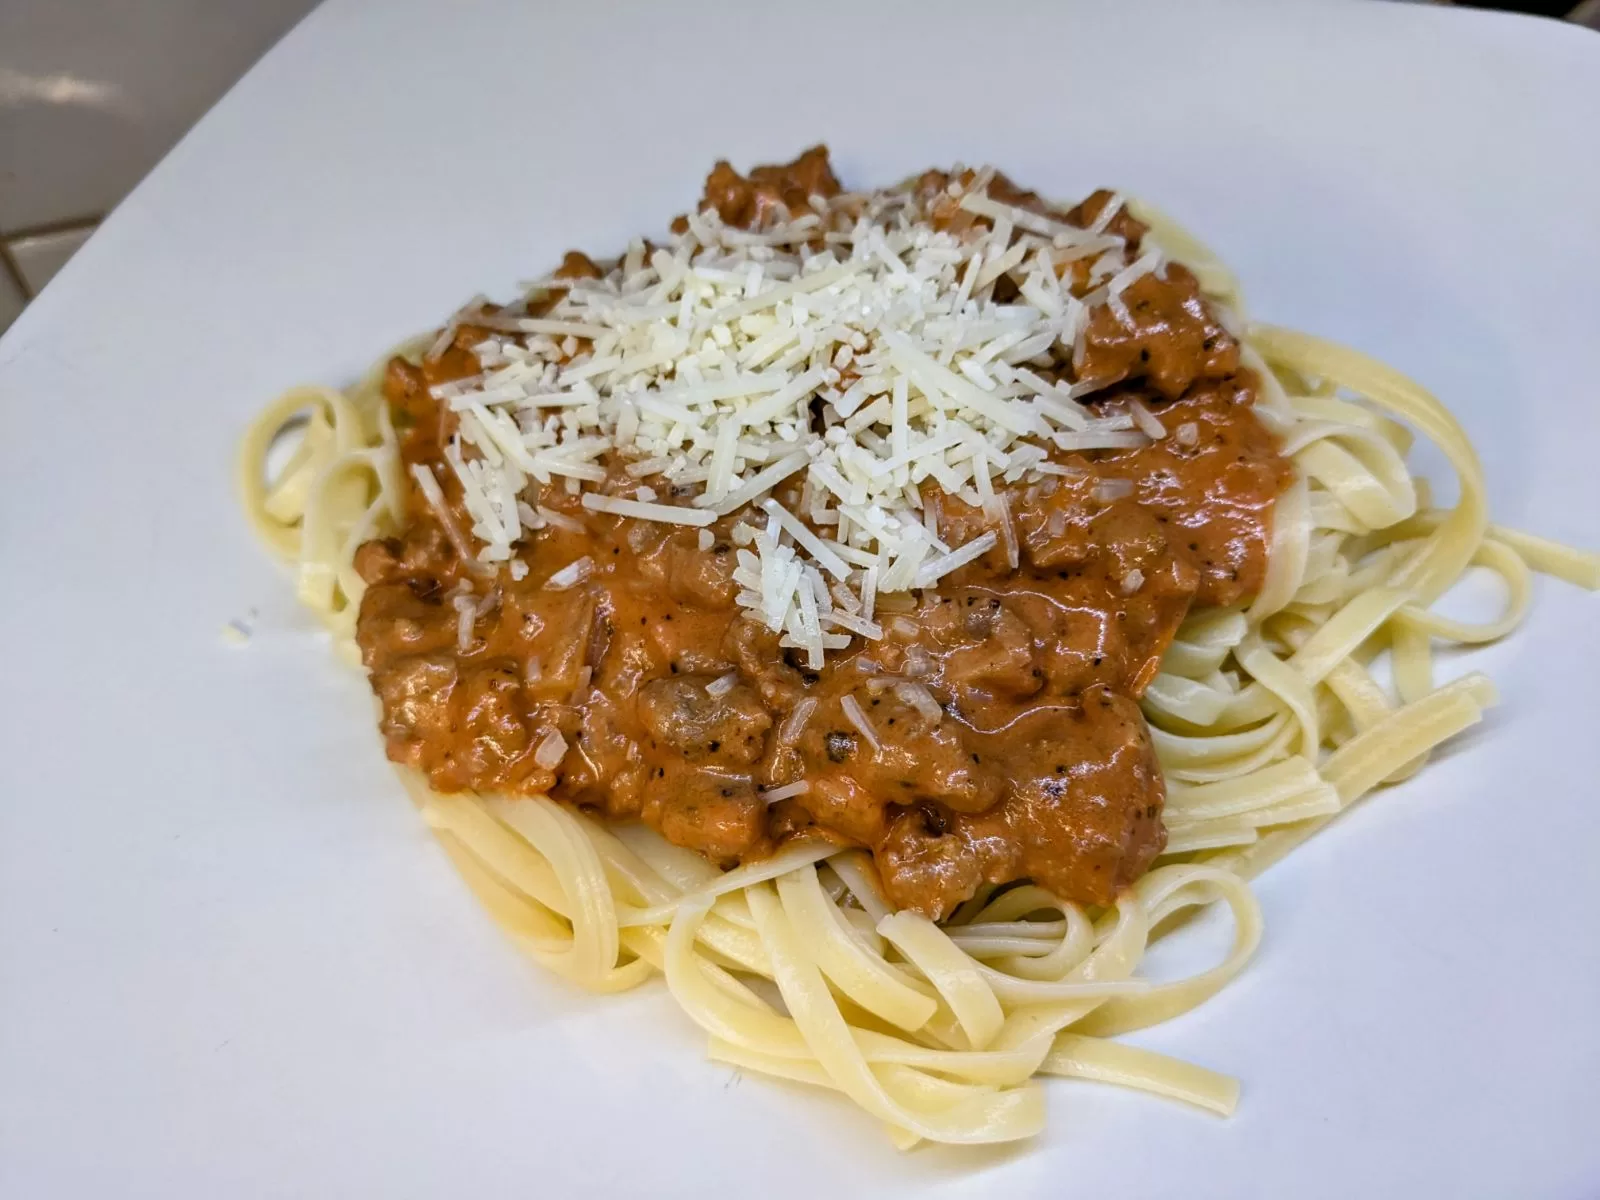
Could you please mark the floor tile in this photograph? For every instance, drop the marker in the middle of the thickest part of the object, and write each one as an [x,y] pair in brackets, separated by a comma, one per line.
[94,92]
[10,300]
[40,256]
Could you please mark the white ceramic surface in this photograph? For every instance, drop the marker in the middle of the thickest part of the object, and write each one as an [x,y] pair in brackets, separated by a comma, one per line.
[231,961]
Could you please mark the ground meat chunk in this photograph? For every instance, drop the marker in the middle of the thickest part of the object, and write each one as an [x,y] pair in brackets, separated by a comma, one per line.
[1054,535]
[1081,815]
[754,649]
[753,200]
[1171,340]
[578,265]
[931,764]
[416,693]
[683,716]
[406,388]
[842,802]
[1130,539]
[415,559]
[718,813]
[701,579]
[914,760]
[1002,658]
[400,620]
[928,868]
[1086,797]
[378,561]
[1123,224]
[605,767]
[488,706]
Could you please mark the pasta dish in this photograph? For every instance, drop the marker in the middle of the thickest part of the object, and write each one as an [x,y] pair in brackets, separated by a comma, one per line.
[882,614]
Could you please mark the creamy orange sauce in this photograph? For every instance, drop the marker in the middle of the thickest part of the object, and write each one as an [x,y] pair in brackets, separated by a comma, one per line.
[1039,763]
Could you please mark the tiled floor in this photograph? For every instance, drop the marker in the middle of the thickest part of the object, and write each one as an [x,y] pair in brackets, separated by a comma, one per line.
[94,92]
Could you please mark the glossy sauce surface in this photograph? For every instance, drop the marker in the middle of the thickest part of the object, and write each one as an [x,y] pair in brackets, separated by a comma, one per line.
[1037,764]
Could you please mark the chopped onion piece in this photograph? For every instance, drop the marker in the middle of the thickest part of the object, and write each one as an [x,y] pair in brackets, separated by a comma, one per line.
[921,699]
[795,723]
[551,750]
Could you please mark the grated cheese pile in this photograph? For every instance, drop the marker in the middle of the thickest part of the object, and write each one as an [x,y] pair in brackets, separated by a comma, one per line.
[696,365]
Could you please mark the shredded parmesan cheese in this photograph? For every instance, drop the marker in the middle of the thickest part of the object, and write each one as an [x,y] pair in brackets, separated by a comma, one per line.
[559,520]
[936,570]
[786,792]
[1149,424]
[645,510]
[854,714]
[746,371]
[571,575]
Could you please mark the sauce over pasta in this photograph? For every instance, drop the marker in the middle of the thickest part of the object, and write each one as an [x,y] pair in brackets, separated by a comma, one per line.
[992,733]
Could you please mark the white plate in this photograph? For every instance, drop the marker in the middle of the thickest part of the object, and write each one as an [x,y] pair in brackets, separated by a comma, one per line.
[232,963]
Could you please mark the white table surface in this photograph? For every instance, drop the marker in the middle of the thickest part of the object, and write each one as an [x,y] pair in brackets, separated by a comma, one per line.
[232,963]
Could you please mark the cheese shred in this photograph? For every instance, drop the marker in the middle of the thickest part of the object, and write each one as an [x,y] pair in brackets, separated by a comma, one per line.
[820,370]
